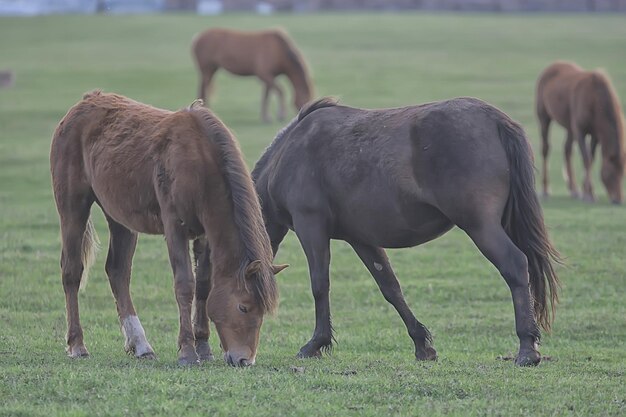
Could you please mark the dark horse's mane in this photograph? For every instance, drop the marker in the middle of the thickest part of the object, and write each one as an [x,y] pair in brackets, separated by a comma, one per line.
[247,210]
[306,110]
[613,110]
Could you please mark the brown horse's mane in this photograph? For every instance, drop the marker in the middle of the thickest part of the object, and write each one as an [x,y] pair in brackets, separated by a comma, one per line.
[613,109]
[247,210]
[294,56]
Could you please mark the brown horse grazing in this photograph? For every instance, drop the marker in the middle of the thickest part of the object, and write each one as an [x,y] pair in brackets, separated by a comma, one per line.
[583,102]
[266,54]
[179,174]
[397,178]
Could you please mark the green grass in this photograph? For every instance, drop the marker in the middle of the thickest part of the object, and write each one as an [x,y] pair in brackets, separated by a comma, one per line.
[371,60]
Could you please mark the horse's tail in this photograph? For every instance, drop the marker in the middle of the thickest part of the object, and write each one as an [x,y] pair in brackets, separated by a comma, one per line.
[89,248]
[523,223]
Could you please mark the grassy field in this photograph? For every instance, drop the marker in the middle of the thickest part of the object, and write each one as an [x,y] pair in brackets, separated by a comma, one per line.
[368,60]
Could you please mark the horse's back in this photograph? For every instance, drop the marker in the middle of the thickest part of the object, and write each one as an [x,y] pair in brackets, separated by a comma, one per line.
[110,143]
[239,52]
[392,175]
[559,89]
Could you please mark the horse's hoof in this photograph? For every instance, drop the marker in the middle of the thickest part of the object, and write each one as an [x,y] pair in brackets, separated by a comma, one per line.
[428,354]
[193,361]
[306,353]
[146,355]
[75,352]
[589,198]
[203,350]
[529,359]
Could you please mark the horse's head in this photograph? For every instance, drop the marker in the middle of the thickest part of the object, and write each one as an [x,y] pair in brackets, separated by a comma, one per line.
[612,174]
[237,311]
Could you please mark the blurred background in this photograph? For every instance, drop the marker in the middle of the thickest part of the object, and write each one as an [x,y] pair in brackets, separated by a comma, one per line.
[31,7]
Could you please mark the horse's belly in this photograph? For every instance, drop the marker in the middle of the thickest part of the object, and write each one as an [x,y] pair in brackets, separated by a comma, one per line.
[394,227]
[133,206]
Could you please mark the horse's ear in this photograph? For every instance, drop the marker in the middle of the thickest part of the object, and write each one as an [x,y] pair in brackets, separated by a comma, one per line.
[252,268]
[277,268]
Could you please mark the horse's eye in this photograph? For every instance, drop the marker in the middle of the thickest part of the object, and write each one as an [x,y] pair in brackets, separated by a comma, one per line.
[242,308]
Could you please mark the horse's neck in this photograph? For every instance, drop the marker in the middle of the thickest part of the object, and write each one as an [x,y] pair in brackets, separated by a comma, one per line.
[609,134]
[222,234]
[298,79]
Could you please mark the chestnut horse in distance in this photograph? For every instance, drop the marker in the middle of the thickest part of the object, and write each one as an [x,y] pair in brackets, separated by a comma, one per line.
[266,54]
[584,103]
[397,178]
[179,174]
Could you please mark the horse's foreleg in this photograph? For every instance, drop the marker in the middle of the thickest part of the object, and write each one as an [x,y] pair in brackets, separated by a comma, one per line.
[376,261]
[270,85]
[579,136]
[512,264]
[178,250]
[569,172]
[264,104]
[276,233]
[122,245]
[545,150]
[200,317]
[316,245]
[74,214]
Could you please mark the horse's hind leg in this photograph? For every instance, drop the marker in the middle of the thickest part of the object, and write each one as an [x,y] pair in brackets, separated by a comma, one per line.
[74,215]
[376,261]
[512,264]
[200,317]
[122,245]
[316,245]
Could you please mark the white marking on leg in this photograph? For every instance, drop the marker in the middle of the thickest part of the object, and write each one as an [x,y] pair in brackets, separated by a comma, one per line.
[378,266]
[135,336]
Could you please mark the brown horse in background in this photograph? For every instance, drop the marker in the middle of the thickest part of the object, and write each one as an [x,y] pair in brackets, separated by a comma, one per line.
[179,174]
[397,178]
[584,103]
[266,54]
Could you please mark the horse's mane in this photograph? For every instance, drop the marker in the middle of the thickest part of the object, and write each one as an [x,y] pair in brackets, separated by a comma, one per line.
[613,110]
[294,55]
[305,111]
[247,210]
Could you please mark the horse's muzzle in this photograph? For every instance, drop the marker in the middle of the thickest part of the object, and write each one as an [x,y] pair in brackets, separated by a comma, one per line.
[238,362]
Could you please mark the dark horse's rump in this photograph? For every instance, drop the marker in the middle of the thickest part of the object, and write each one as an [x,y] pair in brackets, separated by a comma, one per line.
[401,177]
[179,174]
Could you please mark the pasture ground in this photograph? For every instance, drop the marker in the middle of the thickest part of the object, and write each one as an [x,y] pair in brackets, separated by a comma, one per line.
[369,60]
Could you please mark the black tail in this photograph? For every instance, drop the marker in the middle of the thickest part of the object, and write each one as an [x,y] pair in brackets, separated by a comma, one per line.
[523,223]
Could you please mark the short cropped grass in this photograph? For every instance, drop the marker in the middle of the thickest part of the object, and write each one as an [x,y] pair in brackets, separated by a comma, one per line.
[368,60]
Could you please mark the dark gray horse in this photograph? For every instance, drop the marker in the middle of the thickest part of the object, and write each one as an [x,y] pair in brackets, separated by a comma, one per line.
[397,178]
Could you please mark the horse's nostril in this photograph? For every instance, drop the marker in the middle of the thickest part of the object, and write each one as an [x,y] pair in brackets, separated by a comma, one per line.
[244,362]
